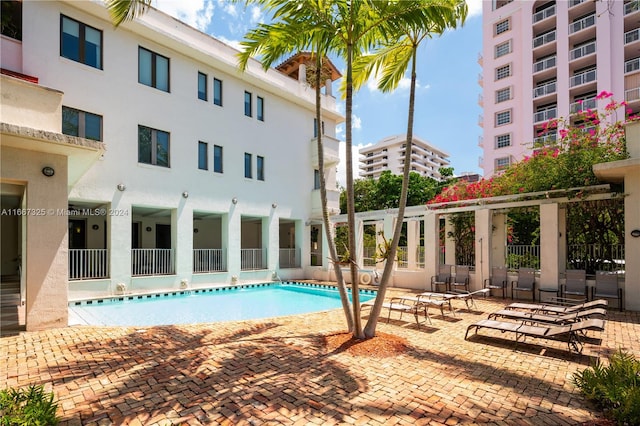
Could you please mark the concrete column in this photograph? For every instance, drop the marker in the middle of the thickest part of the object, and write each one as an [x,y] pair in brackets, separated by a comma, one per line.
[632,244]
[182,239]
[232,226]
[119,240]
[359,254]
[271,240]
[413,238]
[431,246]
[549,252]
[498,239]
[449,243]
[328,87]
[483,246]
[302,73]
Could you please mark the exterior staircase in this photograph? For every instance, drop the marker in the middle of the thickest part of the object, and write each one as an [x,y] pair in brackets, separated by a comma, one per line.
[12,312]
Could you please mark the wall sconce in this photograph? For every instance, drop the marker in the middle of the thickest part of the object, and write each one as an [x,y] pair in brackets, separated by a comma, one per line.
[148,228]
[635,233]
[196,230]
[185,194]
[121,187]
[274,205]
[48,171]
[95,227]
[234,200]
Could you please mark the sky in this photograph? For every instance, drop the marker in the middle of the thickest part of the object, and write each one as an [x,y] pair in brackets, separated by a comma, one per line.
[446,110]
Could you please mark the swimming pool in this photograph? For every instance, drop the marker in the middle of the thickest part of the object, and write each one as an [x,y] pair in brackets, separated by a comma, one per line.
[234,303]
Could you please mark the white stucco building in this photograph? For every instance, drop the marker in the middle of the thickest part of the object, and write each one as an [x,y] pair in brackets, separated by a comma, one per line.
[389,154]
[197,173]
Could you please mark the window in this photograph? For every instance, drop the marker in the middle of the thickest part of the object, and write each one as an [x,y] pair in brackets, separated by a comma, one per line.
[497,4]
[503,141]
[315,127]
[203,151]
[247,104]
[503,72]
[260,167]
[316,179]
[153,146]
[217,159]
[247,165]
[217,92]
[503,95]
[80,42]
[503,49]
[82,124]
[502,163]
[502,26]
[153,69]
[503,117]
[12,19]
[260,107]
[202,86]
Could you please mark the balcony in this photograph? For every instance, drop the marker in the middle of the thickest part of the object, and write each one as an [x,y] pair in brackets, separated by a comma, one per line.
[573,3]
[544,64]
[481,141]
[631,7]
[543,39]
[545,140]
[545,115]
[480,99]
[481,120]
[480,59]
[480,80]
[583,105]
[546,89]
[252,259]
[333,200]
[581,24]
[152,262]
[331,151]
[583,78]
[544,14]
[632,65]
[289,258]
[88,264]
[582,51]
[208,260]
[632,36]
[632,95]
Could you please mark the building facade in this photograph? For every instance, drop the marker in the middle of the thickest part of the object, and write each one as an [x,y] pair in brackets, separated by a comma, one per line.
[190,181]
[389,154]
[549,59]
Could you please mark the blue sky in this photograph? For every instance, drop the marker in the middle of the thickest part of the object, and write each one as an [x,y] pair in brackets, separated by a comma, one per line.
[447,107]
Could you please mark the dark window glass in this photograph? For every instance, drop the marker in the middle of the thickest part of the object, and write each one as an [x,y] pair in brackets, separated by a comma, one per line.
[153,146]
[217,92]
[82,124]
[153,69]
[202,156]
[92,126]
[217,159]
[144,145]
[70,121]
[316,179]
[260,107]
[80,42]
[247,165]
[260,167]
[247,104]
[12,19]
[202,86]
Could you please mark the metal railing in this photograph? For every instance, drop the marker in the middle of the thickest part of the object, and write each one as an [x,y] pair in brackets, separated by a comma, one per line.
[545,115]
[579,52]
[544,64]
[632,94]
[631,36]
[575,2]
[208,260]
[289,258]
[523,256]
[544,39]
[581,24]
[86,264]
[544,14]
[583,105]
[630,7]
[252,259]
[545,89]
[583,78]
[152,262]
[632,65]
[596,257]
[403,259]
[548,139]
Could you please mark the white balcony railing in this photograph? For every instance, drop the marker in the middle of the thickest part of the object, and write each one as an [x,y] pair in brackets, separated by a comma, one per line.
[631,36]
[545,89]
[252,259]
[632,95]
[581,24]
[152,262]
[583,78]
[544,39]
[290,258]
[632,65]
[544,14]
[575,2]
[548,139]
[208,260]
[544,64]
[579,52]
[545,115]
[584,105]
[86,264]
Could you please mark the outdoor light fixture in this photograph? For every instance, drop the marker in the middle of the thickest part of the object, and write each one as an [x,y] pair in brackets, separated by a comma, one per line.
[95,227]
[234,200]
[274,205]
[148,229]
[121,187]
[635,233]
[48,171]
[185,194]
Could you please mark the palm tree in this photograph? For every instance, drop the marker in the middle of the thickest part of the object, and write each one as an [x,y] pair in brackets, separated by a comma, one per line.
[392,61]
[126,10]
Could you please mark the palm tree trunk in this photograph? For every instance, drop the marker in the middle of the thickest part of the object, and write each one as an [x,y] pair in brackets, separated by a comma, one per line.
[370,328]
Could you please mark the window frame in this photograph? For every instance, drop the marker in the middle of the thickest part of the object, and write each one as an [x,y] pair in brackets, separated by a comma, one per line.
[260,168]
[316,179]
[217,89]
[154,146]
[497,49]
[82,123]
[203,92]
[218,160]
[498,167]
[499,144]
[204,158]
[248,165]
[499,92]
[499,75]
[260,108]
[501,116]
[82,39]
[154,69]
[248,104]
[498,29]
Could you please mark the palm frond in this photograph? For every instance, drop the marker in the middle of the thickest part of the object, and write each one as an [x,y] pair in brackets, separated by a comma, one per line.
[126,10]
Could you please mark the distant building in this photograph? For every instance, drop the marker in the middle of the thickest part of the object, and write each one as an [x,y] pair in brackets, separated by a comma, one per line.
[388,154]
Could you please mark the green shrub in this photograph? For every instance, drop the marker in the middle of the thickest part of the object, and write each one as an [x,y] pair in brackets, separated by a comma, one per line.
[615,387]
[27,406]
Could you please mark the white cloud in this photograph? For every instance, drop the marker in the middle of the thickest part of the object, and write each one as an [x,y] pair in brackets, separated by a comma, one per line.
[257,17]
[475,8]
[357,122]
[233,43]
[197,13]
[228,7]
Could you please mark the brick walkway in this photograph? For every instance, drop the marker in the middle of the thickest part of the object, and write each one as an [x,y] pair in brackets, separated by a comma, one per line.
[278,372]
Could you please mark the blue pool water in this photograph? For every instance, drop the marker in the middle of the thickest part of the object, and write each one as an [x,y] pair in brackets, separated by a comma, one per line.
[212,305]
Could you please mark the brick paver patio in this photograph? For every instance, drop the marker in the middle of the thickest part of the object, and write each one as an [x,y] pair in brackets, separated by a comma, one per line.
[278,371]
